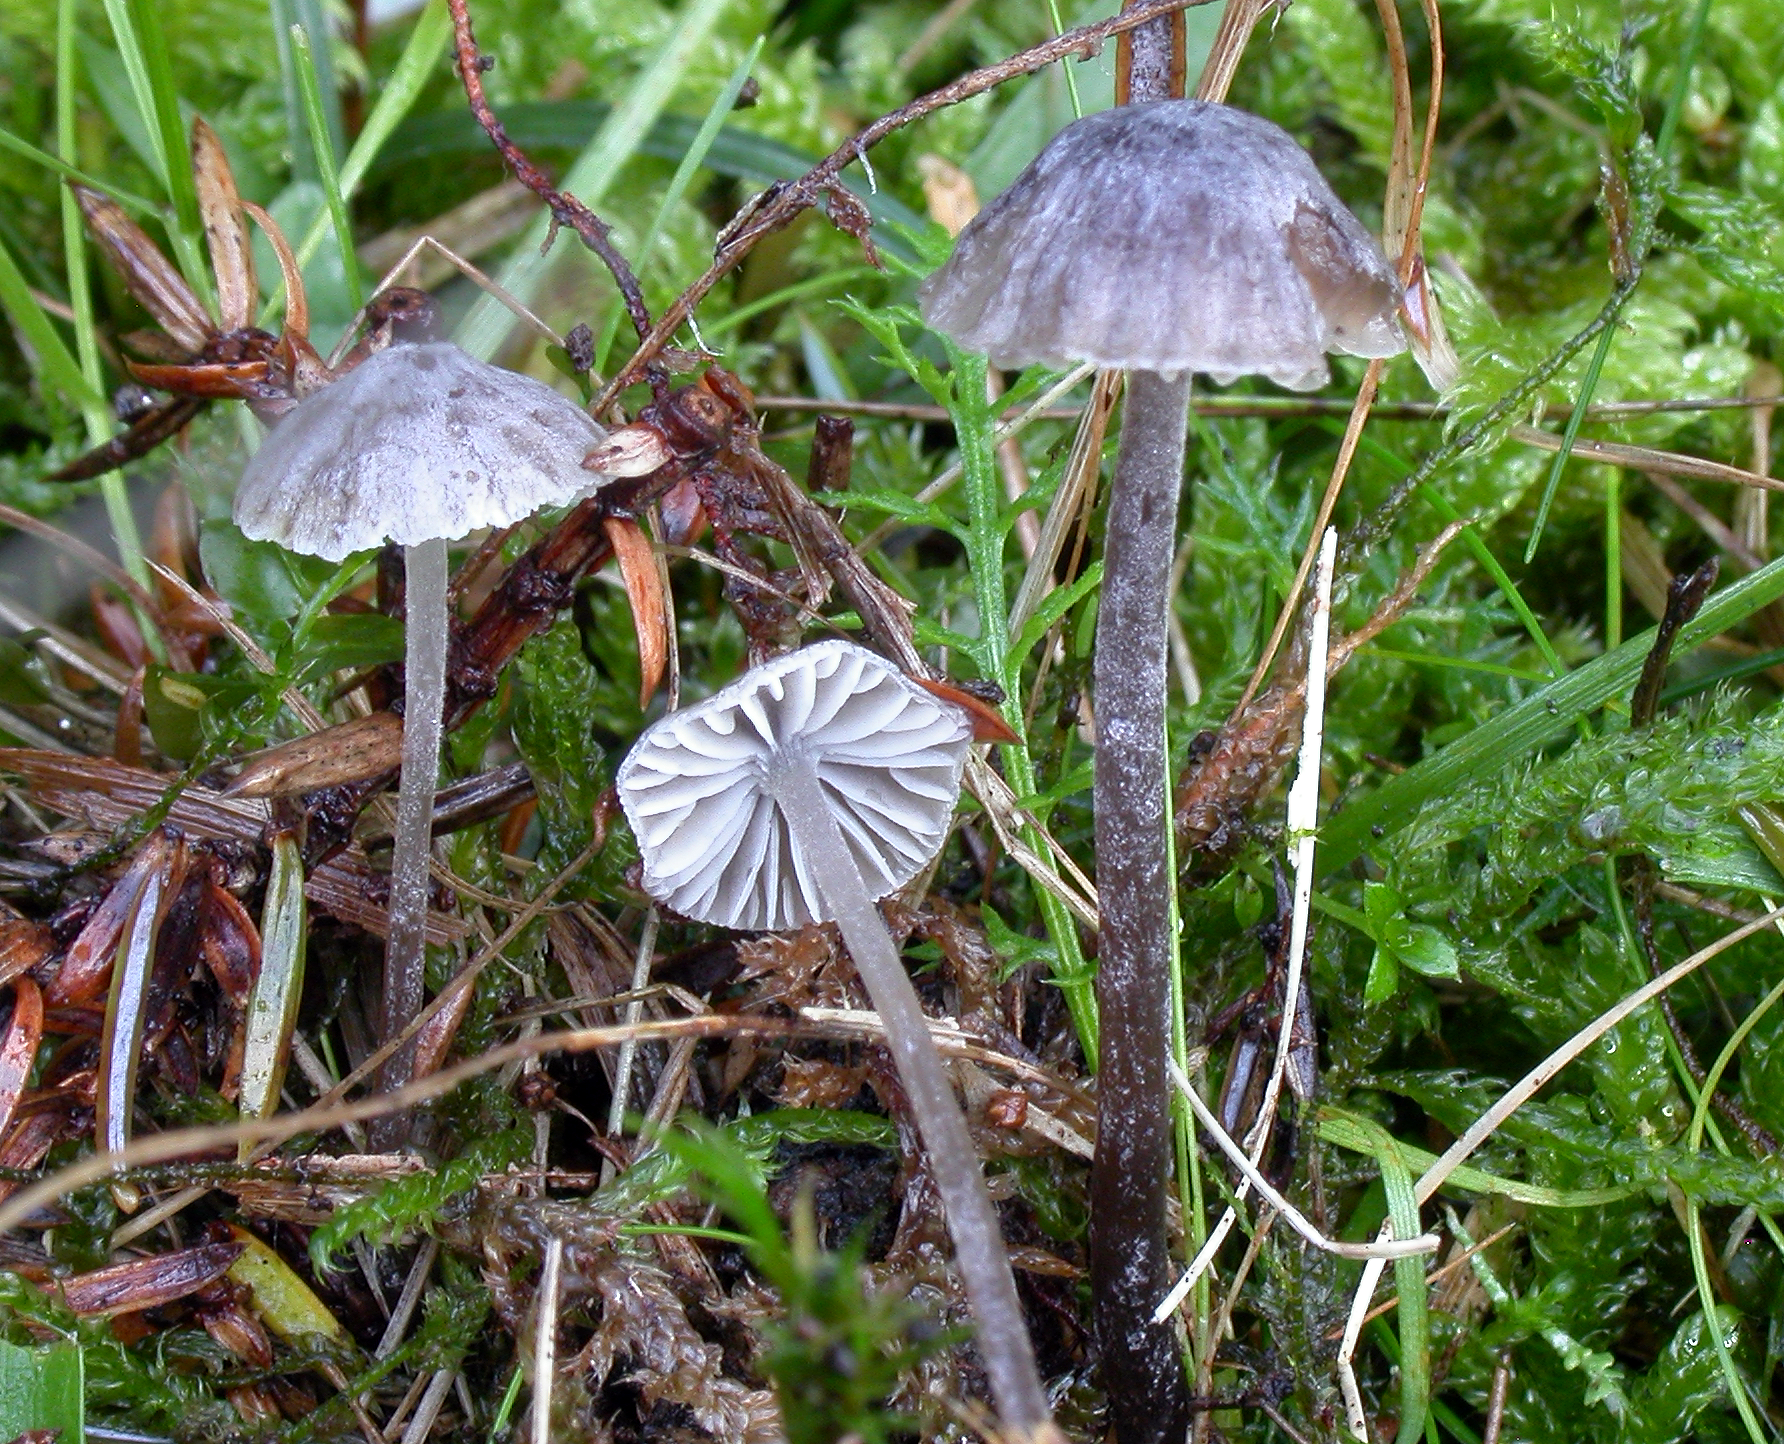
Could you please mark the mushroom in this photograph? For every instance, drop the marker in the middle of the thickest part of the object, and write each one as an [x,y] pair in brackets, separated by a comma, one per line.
[1163,238]
[419,445]
[816,784]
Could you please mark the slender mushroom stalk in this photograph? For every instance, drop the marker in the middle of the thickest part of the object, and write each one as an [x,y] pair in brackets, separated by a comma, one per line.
[1130,1259]
[817,784]
[1163,239]
[418,445]
[424,705]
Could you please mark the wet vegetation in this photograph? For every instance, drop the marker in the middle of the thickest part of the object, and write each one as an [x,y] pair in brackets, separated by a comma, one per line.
[658,1180]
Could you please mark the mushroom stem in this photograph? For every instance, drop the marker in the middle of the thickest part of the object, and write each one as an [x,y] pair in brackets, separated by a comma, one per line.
[424,693]
[1130,1263]
[978,1241]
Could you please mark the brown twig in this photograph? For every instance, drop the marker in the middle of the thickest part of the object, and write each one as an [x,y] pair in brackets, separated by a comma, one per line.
[565,209]
[1496,1400]
[778,205]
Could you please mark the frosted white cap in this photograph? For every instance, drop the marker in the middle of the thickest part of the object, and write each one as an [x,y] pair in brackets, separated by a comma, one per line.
[699,786]
[1175,236]
[418,443]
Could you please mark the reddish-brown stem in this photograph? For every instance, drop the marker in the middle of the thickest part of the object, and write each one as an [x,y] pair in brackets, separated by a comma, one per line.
[565,209]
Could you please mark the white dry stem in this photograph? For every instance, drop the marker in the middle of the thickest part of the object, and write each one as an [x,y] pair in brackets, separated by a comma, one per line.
[398,1324]
[1355,1419]
[427,1412]
[424,696]
[628,1052]
[545,1340]
[1394,1248]
[979,1250]
[1303,821]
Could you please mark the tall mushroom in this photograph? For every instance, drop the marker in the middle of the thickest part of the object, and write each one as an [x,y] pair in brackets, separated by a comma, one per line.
[816,784]
[419,445]
[1163,239]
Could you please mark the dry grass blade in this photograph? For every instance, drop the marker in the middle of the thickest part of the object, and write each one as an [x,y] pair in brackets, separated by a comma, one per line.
[1532,1082]
[1646,458]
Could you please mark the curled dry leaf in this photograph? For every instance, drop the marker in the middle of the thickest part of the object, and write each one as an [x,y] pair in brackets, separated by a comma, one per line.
[148,1283]
[635,450]
[355,751]
[127,1003]
[86,967]
[147,274]
[18,1047]
[219,204]
[24,945]
[644,591]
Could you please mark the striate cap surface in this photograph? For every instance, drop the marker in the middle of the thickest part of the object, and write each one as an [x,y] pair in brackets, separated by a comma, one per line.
[417,443]
[1180,235]
[699,786]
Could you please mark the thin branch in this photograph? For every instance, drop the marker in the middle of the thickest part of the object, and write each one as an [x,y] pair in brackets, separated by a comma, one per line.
[565,209]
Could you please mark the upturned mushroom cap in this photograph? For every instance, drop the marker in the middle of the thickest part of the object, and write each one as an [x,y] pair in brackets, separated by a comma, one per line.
[1176,236]
[699,787]
[418,443]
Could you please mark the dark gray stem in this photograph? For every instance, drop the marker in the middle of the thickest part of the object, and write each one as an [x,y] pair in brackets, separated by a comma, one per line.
[978,1240]
[1130,1263]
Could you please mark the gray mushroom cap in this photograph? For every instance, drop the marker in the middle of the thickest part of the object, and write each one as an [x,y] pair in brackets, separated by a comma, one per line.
[418,443]
[1175,236]
[699,786]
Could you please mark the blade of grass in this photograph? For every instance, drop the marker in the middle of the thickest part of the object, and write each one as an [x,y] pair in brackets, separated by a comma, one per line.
[1582,402]
[123,26]
[322,148]
[413,69]
[94,411]
[974,424]
[54,365]
[408,78]
[303,154]
[142,43]
[1737,1386]
[1541,717]
[1738,671]
[617,141]
[722,106]
[130,201]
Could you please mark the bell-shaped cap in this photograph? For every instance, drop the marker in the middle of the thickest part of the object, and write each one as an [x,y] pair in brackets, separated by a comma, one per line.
[418,443]
[1175,236]
[700,787]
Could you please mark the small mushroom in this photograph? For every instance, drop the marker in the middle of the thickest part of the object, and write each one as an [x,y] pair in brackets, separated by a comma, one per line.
[816,784]
[1173,237]
[418,445]
[1163,238]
